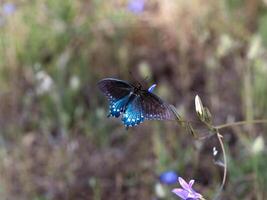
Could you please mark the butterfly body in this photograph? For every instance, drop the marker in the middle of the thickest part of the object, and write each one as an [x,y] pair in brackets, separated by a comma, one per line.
[133,103]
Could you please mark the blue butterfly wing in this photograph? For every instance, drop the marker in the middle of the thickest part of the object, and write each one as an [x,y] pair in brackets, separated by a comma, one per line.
[116,107]
[118,93]
[133,114]
[154,108]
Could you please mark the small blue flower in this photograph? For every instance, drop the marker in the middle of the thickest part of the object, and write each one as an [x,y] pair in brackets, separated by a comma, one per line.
[168,177]
[186,192]
[136,6]
[8,8]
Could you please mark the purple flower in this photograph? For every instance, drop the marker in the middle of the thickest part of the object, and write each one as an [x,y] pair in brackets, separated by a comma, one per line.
[168,177]
[136,6]
[186,192]
[8,8]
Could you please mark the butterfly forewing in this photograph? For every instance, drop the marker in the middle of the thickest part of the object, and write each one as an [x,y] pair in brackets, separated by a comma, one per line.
[118,93]
[154,108]
[114,89]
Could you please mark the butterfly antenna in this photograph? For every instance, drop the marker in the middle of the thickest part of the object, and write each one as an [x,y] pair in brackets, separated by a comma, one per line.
[146,78]
[134,78]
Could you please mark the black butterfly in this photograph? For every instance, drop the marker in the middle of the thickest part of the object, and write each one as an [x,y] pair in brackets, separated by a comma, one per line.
[134,103]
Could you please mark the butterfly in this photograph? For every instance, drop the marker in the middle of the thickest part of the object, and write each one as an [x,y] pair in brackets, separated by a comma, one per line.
[133,103]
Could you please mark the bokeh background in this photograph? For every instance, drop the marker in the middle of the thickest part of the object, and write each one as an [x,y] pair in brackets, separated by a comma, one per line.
[55,139]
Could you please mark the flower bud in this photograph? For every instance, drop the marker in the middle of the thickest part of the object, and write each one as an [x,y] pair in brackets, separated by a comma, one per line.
[199,108]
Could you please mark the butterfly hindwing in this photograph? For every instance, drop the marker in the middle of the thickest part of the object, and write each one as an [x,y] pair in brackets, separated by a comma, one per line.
[154,108]
[116,107]
[133,114]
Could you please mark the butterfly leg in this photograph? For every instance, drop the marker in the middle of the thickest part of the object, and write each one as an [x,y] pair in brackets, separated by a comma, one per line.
[108,115]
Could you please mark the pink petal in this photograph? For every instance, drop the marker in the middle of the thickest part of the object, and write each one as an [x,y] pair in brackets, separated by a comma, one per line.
[181,193]
[193,194]
[197,195]
[191,182]
[184,184]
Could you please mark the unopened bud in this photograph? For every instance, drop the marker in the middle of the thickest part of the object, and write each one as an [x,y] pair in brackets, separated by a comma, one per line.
[199,107]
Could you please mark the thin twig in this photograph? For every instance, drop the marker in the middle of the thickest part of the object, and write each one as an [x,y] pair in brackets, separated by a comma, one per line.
[219,136]
[257,121]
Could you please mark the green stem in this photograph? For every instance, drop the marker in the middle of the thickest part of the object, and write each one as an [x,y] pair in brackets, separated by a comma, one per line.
[258,121]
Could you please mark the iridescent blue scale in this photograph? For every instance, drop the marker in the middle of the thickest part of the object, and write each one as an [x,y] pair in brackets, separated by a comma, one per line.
[134,103]
[116,106]
[134,113]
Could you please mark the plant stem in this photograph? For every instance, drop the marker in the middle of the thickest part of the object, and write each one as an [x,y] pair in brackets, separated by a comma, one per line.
[219,136]
[257,121]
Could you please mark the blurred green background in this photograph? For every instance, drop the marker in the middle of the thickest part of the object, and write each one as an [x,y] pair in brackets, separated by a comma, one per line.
[55,139]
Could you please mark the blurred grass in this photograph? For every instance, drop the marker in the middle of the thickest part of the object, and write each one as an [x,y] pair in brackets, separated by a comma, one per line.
[55,139]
